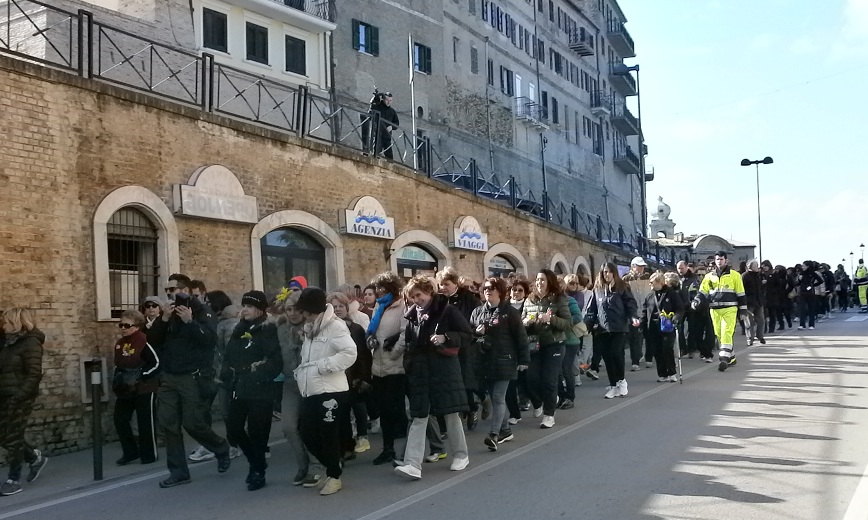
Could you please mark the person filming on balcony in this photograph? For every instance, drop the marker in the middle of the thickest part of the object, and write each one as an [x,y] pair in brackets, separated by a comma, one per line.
[388,122]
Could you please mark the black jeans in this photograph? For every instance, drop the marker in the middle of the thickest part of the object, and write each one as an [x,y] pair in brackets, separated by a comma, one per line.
[256,414]
[389,394]
[143,406]
[567,385]
[512,399]
[700,332]
[542,377]
[355,407]
[663,345]
[774,315]
[635,339]
[320,429]
[807,310]
[611,346]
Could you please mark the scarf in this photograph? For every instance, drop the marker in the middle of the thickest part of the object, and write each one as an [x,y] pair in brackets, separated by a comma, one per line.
[311,330]
[382,303]
[12,337]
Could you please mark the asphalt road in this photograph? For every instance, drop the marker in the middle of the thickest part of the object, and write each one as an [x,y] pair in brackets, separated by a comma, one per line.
[781,435]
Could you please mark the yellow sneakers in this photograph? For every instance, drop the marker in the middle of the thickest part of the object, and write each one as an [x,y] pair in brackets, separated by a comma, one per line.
[332,486]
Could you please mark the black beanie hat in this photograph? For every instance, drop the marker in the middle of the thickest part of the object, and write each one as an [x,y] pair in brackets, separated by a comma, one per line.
[255,299]
[312,300]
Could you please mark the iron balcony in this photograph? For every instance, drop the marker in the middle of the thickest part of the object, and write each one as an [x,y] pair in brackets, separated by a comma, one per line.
[621,41]
[623,82]
[581,42]
[627,161]
[624,121]
[601,104]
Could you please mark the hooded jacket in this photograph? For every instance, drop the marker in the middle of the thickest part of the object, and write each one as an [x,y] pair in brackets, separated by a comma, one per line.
[358,317]
[21,365]
[612,310]
[327,352]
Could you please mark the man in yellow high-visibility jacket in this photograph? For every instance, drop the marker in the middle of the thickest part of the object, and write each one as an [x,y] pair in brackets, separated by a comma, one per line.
[723,291]
[860,280]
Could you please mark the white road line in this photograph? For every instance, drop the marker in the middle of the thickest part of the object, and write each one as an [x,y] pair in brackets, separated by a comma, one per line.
[858,509]
[857,318]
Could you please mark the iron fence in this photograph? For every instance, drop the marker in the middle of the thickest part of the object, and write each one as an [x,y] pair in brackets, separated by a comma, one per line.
[37,32]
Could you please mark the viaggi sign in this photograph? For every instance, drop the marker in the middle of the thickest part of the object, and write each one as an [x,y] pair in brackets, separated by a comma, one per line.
[366,217]
[214,192]
[467,234]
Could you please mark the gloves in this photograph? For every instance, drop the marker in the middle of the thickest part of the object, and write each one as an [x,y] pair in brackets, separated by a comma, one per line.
[390,342]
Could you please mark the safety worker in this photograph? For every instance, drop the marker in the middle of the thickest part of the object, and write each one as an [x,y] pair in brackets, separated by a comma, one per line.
[723,291]
[860,280]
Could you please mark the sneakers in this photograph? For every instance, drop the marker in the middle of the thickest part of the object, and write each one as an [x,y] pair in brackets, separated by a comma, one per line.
[459,463]
[749,342]
[514,420]
[662,379]
[10,487]
[173,481]
[362,445]
[593,374]
[801,327]
[375,426]
[224,461]
[634,368]
[37,466]
[332,486]
[611,392]
[491,441]
[201,454]
[622,388]
[255,481]
[435,456]
[408,471]
[672,379]
[524,406]
[385,457]
[234,452]
[472,420]
[299,477]
[505,436]
[311,481]
[810,328]
[649,364]
[566,404]
[708,359]
[486,408]
[548,421]
[537,412]
[763,341]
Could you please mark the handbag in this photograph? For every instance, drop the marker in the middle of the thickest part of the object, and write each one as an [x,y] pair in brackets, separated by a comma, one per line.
[667,323]
[125,382]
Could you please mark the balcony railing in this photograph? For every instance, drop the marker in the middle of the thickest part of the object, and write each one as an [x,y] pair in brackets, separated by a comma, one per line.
[601,104]
[624,120]
[530,111]
[581,42]
[622,81]
[320,8]
[620,40]
[627,161]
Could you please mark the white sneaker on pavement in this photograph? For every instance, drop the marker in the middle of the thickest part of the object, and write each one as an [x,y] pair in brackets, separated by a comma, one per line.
[611,392]
[537,412]
[408,471]
[234,452]
[622,388]
[548,421]
[201,454]
[459,463]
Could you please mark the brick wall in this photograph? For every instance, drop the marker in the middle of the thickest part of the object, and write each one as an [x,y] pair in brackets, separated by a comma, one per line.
[67,142]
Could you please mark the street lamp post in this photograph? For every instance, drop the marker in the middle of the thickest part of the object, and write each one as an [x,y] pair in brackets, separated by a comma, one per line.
[748,162]
[852,270]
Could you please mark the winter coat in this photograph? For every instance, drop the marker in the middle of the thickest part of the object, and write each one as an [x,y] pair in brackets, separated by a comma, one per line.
[357,316]
[612,310]
[504,343]
[467,302]
[361,369]
[809,282]
[576,316]
[185,348]
[776,292]
[754,289]
[133,352]
[670,301]
[226,323]
[550,333]
[434,378]
[290,338]
[689,286]
[388,356]
[21,365]
[252,342]
[327,352]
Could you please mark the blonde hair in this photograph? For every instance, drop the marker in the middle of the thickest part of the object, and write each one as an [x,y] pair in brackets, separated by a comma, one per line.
[348,290]
[448,274]
[657,277]
[672,280]
[421,282]
[20,318]
[340,297]
[570,278]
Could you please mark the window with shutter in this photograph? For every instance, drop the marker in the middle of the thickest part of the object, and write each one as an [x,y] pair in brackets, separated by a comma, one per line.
[296,55]
[214,35]
[257,43]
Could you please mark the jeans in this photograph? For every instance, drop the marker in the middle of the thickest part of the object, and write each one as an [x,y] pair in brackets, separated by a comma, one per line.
[567,384]
[389,394]
[256,414]
[499,416]
[757,324]
[611,346]
[416,439]
[542,377]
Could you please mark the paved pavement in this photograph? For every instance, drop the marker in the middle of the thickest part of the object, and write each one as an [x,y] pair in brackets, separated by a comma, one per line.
[781,435]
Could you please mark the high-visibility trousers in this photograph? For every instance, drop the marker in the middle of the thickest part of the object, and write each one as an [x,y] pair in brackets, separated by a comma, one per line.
[724,320]
[863,295]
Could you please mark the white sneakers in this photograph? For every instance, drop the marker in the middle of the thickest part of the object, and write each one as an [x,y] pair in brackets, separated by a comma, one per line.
[362,445]
[611,392]
[375,426]
[619,390]
[622,387]
[663,379]
[537,412]
[459,463]
[634,368]
[332,486]
[548,421]
[408,471]
[672,379]
[201,454]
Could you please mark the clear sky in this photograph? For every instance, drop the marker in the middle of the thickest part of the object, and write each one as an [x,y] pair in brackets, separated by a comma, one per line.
[725,80]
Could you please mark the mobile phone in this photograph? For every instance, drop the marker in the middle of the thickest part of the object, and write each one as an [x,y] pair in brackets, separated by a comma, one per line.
[182,299]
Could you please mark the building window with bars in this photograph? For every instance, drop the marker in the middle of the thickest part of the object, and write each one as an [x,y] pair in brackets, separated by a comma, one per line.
[132,259]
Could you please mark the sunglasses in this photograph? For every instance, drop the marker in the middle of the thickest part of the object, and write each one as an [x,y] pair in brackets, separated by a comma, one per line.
[151,305]
[125,325]
[489,288]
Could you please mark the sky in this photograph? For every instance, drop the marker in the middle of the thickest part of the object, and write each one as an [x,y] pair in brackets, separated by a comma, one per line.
[726,80]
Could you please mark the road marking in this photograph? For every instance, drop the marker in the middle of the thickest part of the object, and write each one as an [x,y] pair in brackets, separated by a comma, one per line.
[857,318]
[858,509]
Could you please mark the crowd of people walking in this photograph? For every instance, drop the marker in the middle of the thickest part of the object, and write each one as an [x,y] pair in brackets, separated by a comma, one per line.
[419,361]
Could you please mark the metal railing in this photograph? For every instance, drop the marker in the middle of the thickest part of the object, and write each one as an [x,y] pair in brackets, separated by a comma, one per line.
[617,28]
[39,33]
[320,8]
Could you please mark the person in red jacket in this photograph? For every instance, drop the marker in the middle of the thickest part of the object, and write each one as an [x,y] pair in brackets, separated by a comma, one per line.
[135,387]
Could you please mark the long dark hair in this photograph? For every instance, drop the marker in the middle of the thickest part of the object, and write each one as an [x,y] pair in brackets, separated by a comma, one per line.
[218,300]
[553,286]
[617,283]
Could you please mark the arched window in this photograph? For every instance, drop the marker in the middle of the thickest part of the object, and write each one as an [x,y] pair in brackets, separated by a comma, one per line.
[414,259]
[132,259]
[288,252]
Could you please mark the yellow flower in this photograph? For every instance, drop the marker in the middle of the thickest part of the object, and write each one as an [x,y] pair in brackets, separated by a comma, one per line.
[246,335]
[284,294]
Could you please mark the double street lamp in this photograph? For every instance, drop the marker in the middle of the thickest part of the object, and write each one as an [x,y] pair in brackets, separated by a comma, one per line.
[748,162]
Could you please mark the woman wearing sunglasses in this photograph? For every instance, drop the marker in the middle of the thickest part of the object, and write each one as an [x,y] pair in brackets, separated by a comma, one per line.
[135,386]
[504,352]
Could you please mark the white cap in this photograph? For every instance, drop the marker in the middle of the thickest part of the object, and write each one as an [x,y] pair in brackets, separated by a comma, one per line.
[638,261]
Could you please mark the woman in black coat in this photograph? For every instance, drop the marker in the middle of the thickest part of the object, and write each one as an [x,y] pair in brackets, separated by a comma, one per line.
[435,333]
[253,359]
[504,352]
[663,299]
